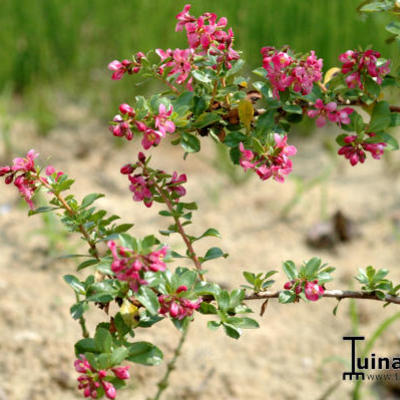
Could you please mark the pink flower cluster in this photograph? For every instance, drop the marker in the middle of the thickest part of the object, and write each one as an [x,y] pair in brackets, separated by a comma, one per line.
[143,185]
[124,123]
[176,305]
[312,290]
[357,65]
[284,71]
[329,111]
[119,68]
[129,266]
[20,173]
[355,149]
[180,63]
[91,380]
[274,164]
[206,35]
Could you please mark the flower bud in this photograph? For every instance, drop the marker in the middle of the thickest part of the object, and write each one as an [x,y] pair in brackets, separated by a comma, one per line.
[288,285]
[126,109]
[182,288]
[121,372]
[298,289]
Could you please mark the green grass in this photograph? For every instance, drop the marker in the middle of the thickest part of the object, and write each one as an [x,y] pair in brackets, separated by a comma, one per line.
[65,46]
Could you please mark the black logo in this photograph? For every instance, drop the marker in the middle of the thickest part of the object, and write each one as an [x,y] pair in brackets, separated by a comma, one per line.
[367,363]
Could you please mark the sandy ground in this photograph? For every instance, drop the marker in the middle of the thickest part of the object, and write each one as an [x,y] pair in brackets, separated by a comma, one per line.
[296,352]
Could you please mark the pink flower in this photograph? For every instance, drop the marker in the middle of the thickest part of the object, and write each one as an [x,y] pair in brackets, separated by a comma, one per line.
[329,111]
[183,18]
[274,163]
[150,138]
[283,71]
[109,389]
[121,372]
[91,379]
[82,364]
[131,67]
[50,170]
[26,164]
[174,185]
[119,68]
[177,306]
[206,35]
[140,188]
[288,285]
[313,291]
[121,128]
[129,265]
[162,121]
[359,65]
[355,149]
[127,109]
[246,158]
[179,62]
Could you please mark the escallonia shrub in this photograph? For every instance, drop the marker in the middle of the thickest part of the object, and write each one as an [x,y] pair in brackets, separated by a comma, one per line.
[205,97]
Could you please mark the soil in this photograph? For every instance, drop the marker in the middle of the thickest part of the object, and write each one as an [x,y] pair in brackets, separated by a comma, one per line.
[298,353]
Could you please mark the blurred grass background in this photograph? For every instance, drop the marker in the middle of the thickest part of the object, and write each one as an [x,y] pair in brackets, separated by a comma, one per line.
[62,47]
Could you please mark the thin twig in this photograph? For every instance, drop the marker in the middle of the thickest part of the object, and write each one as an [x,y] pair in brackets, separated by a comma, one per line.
[188,243]
[163,384]
[337,294]
[82,322]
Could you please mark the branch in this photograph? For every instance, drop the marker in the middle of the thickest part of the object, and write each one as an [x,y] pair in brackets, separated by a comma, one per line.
[71,212]
[181,231]
[163,384]
[337,294]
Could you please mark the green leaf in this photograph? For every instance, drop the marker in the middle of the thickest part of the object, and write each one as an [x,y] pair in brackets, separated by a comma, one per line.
[393,27]
[120,325]
[213,325]
[85,346]
[293,109]
[87,263]
[103,340]
[232,331]
[290,269]
[128,241]
[286,296]
[144,353]
[234,138]
[190,143]
[250,277]
[236,297]
[201,76]
[266,121]
[122,228]
[103,361]
[381,117]
[78,309]
[207,288]
[74,282]
[209,232]
[200,105]
[118,355]
[236,67]
[206,119]
[149,299]
[312,267]
[90,199]
[214,252]
[223,300]
[376,6]
[41,210]
[244,323]
[207,308]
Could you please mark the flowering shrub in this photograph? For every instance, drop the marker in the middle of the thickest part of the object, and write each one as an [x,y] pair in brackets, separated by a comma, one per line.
[205,95]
